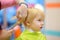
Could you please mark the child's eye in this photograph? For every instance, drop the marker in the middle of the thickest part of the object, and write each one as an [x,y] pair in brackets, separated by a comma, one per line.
[39,20]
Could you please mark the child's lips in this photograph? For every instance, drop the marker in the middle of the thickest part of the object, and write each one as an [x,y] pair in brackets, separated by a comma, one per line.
[41,27]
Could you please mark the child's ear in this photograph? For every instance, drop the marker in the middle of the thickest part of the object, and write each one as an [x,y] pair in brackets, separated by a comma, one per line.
[27,23]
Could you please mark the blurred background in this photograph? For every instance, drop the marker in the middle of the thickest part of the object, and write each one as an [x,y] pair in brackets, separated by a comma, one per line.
[51,9]
[52,21]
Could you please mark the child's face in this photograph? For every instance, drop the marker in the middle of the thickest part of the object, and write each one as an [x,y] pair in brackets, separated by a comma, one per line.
[37,23]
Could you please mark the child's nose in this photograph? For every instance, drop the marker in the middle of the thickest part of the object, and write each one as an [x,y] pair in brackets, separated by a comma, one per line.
[42,22]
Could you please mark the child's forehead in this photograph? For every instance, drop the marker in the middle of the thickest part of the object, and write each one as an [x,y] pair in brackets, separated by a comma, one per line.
[40,16]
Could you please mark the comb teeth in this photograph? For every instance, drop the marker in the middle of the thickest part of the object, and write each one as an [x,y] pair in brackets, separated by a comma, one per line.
[13,18]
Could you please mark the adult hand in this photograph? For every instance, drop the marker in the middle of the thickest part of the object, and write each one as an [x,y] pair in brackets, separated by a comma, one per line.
[5,35]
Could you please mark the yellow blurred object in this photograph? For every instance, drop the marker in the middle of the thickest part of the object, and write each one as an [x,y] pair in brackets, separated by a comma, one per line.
[13,18]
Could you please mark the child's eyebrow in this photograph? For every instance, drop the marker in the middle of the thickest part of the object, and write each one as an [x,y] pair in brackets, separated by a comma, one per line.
[41,18]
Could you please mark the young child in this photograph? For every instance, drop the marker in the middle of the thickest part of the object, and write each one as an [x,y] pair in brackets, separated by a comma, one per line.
[33,23]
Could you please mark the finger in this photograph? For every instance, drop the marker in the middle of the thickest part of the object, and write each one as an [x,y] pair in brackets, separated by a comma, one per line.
[10,31]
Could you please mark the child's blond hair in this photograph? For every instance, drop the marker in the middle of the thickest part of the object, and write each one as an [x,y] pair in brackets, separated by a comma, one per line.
[32,13]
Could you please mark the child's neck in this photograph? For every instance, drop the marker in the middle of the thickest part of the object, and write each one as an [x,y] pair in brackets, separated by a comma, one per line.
[29,29]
